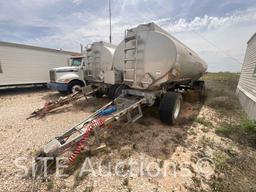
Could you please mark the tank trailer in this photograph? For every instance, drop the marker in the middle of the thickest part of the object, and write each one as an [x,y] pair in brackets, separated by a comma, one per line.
[149,65]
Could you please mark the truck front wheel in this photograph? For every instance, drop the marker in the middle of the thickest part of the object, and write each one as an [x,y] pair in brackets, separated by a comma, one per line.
[75,86]
[170,107]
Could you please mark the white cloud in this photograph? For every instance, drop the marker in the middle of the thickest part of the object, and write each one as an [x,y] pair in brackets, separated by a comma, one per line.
[213,37]
[221,41]
[210,22]
[77,2]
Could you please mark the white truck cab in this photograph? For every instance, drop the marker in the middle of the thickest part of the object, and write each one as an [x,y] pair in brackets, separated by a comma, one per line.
[66,79]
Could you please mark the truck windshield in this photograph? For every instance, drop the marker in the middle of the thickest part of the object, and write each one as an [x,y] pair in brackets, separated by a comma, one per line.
[76,61]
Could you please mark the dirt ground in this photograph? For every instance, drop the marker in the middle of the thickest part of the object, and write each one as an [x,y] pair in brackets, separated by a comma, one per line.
[185,145]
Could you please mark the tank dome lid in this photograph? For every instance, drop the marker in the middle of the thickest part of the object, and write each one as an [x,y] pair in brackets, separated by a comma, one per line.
[148,27]
[103,43]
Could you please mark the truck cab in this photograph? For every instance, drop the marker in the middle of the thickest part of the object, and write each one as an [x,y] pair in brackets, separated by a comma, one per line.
[66,79]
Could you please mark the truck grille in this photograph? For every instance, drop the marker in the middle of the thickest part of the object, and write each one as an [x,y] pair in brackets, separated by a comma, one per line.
[52,75]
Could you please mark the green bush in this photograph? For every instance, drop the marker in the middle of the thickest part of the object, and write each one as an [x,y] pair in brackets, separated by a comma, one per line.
[245,132]
[225,129]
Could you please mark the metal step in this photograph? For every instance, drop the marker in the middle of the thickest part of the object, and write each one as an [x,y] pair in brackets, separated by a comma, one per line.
[129,80]
[135,117]
[130,38]
[129,70]
[130,59]
[131,48]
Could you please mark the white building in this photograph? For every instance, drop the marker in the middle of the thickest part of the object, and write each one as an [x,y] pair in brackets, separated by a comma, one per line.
[246,89]
[24,64]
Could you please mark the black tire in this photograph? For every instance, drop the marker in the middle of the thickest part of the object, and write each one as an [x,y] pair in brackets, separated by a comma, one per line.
[72,84]
[115,91]
[167,109]
[44,85]
[119,90]
[98,94]
[111,91]
[203,92]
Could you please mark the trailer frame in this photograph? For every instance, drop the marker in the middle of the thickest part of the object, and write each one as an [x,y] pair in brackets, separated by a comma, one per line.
[130,100]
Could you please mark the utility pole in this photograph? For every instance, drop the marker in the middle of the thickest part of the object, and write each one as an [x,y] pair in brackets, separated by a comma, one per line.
[110,30]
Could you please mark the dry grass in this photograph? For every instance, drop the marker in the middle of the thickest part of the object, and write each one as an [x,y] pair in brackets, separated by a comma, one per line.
[243,132]
[88,189]
[234,172]
[221,88]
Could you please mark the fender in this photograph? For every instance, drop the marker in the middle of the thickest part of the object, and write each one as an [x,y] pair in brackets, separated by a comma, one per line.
[68,77]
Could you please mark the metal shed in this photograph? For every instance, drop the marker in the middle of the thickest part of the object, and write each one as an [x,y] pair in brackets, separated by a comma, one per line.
[246,89]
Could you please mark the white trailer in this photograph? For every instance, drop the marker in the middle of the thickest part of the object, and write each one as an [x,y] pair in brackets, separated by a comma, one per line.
[25,64]
[246,89]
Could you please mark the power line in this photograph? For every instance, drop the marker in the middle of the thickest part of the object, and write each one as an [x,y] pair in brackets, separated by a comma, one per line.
[219,50]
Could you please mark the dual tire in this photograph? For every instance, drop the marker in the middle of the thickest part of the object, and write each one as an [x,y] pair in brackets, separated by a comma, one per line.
[98,94]
[170,107]
[115,91]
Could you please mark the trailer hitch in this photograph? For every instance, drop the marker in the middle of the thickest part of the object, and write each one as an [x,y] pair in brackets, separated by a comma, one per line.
[49,106]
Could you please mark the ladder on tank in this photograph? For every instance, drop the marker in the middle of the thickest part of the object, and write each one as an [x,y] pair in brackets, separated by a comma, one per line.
[89,56]
[127,49]
[97,64]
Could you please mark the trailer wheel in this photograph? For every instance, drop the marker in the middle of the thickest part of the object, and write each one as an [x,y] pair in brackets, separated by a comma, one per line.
[111,91]
[119,90]
[116,90]
[203,92]
[75,86]
[170,107]
[98,94]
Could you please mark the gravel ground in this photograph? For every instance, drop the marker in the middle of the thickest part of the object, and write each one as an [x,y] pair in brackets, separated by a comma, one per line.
[23,138]
[146,141]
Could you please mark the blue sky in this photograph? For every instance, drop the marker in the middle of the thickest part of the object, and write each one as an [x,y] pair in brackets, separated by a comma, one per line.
[217,29]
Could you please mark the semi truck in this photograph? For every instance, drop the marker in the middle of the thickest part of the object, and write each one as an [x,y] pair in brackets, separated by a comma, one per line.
[83,70]
[29,65]
[67,79]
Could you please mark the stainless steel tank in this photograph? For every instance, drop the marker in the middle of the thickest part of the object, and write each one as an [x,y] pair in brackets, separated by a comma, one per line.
[149,56]
[99,56]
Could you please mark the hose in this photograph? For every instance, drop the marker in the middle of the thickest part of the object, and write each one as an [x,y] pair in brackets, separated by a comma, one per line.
[89,128]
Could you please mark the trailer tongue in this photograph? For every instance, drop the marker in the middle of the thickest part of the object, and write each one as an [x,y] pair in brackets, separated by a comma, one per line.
[78,135]
[50,106]
[128,105]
